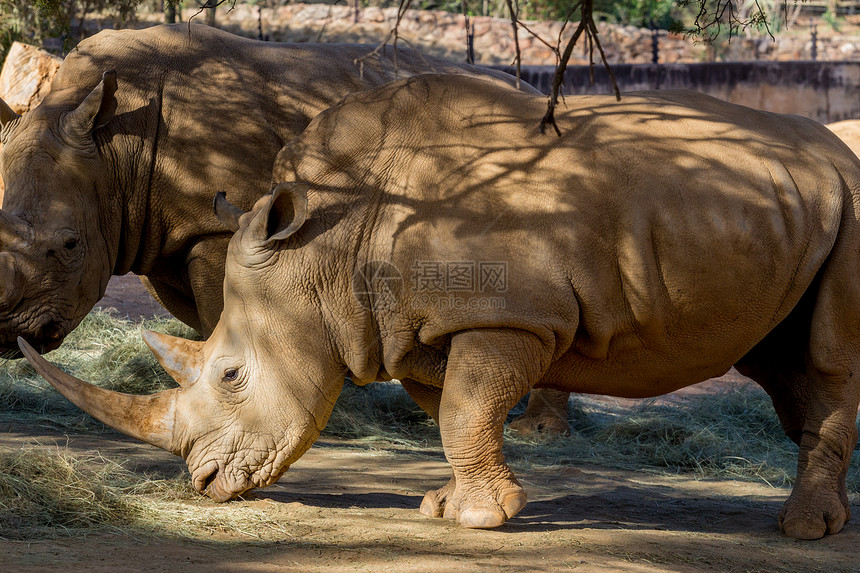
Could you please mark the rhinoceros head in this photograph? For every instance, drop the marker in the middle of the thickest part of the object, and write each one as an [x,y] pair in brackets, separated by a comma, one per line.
[254,396]
[54,260]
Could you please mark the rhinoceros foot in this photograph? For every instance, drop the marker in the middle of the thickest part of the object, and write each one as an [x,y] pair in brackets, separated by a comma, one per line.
[546,423]
[479,510]
[545,415]
[812,517]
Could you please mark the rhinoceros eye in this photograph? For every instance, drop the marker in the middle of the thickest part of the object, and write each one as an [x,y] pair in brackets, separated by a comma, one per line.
[230,375]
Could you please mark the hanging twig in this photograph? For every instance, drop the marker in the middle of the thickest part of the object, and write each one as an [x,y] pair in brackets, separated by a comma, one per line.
[558,79]
[393,33]
[514,11]
[210,5]
[470,33]
[325,23]
[589,28]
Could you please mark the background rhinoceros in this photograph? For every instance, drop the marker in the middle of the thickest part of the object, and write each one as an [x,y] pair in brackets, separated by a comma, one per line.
[659,241]
[115,173]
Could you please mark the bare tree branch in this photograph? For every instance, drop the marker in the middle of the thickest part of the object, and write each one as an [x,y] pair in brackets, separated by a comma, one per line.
[470,33]
[558,79]
[514,11]
[393,33]
[588,27]
[713,15]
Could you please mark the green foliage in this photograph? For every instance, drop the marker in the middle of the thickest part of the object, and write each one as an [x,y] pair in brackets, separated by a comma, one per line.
[31,22]
[35,22]
[640,13]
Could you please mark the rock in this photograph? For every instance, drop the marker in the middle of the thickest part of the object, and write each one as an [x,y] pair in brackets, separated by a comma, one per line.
[26,76]
[26,79]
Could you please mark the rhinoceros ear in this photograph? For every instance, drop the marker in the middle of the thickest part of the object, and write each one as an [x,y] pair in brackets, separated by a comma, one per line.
[97,108]
[11,287]
[282,216]
[227,212]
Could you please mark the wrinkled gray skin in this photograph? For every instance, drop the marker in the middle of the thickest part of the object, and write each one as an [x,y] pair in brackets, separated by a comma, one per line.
[117,175]
[659,241]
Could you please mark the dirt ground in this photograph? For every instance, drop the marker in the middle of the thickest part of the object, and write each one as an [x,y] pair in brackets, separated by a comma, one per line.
[348,507]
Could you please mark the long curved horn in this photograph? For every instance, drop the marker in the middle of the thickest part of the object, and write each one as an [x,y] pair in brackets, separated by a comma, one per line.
[147,418]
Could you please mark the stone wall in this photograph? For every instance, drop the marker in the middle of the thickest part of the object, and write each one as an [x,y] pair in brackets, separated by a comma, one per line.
[442,34]
[823,91]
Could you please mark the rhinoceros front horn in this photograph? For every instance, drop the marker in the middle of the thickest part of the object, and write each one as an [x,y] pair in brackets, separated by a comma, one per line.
[147,418]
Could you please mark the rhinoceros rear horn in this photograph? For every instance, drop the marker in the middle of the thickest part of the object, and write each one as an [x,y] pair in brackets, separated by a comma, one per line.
[227,212]
[97,108]
[147,418]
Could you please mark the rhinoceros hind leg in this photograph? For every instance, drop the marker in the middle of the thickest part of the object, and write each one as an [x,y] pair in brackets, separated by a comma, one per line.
[488,371]
[807,365]
[545,415]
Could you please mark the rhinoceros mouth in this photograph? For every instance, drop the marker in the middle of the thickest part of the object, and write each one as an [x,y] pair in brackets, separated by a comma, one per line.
[46,335]
[210,480]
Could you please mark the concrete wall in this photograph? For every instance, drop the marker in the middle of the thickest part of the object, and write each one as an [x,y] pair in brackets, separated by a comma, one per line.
[824,91]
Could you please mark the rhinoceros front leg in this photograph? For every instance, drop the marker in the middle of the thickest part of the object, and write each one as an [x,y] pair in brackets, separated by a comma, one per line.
[429,399]
[206,274]
[546,414]
[488,372]
[177,301]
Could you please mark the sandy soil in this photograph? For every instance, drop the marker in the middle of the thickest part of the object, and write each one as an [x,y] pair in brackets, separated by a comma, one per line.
[129,297]
[347,507]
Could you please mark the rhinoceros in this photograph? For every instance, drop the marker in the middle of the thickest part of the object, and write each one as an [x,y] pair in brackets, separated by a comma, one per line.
[849,132]
[113,171]
[426,231]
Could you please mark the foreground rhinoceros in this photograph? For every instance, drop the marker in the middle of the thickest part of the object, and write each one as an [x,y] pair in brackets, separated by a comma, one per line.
[426,231]
[114,174]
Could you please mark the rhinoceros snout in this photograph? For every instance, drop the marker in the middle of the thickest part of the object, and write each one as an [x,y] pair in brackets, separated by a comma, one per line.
[206,481]
[44,335]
